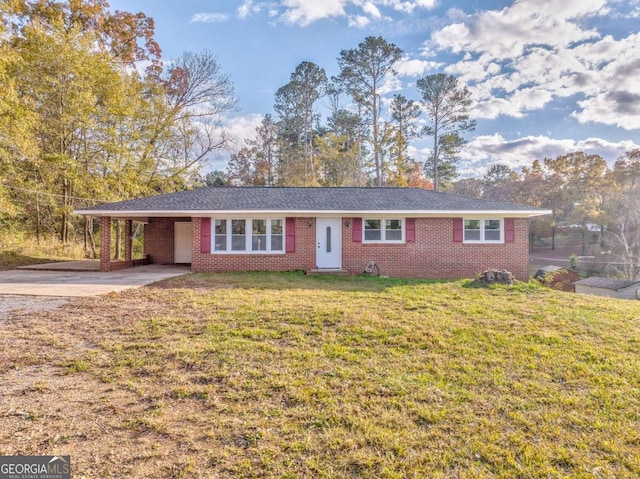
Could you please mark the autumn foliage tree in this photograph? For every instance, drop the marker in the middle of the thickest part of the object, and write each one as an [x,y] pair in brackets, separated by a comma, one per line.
[91,127]
[577,185]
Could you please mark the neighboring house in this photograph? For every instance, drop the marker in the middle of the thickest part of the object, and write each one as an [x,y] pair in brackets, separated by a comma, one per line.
[615,288]
[406,232]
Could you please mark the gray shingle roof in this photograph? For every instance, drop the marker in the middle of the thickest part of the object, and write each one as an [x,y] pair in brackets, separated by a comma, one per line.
[607,283]
[262,199]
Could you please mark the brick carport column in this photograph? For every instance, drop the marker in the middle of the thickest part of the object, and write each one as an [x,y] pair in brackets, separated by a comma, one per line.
[105,243]
[128,239]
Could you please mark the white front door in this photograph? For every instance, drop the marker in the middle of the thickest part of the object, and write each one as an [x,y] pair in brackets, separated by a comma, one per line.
[182,242]
[328,243]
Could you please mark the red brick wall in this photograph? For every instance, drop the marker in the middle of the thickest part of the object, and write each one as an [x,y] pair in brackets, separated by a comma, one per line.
[158,239]
[105,243]
[433,255]
[303,258]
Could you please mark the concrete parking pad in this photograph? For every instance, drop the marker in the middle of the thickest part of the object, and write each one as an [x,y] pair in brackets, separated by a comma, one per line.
[83,283]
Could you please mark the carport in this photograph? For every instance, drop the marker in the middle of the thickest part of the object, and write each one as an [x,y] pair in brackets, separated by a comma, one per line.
[167,239]
[106,263]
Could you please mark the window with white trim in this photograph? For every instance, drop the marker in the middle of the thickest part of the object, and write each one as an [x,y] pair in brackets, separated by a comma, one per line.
[483,230]
[376,230]
[257,235]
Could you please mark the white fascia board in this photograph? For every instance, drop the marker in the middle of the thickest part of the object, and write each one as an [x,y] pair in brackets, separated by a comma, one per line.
[320,213]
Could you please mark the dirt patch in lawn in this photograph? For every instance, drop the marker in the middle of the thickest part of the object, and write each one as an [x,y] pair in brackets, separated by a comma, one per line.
[50,404]
[13,304]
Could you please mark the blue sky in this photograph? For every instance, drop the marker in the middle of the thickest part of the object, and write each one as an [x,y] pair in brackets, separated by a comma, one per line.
[547,76]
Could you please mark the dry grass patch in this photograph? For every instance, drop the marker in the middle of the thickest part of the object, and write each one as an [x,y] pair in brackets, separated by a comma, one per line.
[283,375]
[20,249]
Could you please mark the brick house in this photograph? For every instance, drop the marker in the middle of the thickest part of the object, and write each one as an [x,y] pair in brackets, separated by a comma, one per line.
[402,232]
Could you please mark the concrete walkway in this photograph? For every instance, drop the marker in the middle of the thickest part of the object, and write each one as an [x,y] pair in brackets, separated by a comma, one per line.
[83,283]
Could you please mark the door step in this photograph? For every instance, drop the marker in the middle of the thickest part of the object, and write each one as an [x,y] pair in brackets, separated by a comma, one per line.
[328,271]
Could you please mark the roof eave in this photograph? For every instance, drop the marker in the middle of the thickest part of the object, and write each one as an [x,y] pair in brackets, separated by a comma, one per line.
[405,213]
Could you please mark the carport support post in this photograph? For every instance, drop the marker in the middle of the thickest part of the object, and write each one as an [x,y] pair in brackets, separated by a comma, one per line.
[105,243]
[128,239]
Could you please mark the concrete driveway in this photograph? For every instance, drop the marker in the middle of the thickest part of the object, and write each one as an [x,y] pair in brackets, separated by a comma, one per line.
[83,283]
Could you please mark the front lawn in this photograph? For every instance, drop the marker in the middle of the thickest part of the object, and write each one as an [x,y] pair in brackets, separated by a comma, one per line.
[287,376]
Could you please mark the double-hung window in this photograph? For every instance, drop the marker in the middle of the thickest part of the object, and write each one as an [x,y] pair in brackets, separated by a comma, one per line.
[483,230]
[248,235]
[258,235]
[238,235]
[383,230]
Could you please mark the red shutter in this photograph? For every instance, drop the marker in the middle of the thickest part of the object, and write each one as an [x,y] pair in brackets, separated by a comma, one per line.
[457,230]
[291,235]
[356,234]
[205,235]
[410,235]
[509,230]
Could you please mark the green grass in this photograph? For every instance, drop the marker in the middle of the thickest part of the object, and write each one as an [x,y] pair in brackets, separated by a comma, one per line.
[284,375]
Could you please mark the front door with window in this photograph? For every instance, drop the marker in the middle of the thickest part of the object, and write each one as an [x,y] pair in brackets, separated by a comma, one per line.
[328,243]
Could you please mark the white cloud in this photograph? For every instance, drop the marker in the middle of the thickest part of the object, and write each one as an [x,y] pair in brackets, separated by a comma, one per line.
[358,21]
[524,56]
[619,108]
[492,108]
[358,13]
[531,98]
[305,12]
[236,130]
[391,84]
[210,17]
[616,96]
[415,68]
[485,150]
[370,9]
[470,70]
[506,33]
[250,7]
[409,6]
[242,127]
[245,9]
[425,3]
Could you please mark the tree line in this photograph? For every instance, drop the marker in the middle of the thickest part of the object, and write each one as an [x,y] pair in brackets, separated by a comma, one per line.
[80,123]
[582,192]
[366,136]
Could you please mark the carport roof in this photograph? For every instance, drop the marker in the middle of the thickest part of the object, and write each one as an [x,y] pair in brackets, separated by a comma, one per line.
[300,200]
